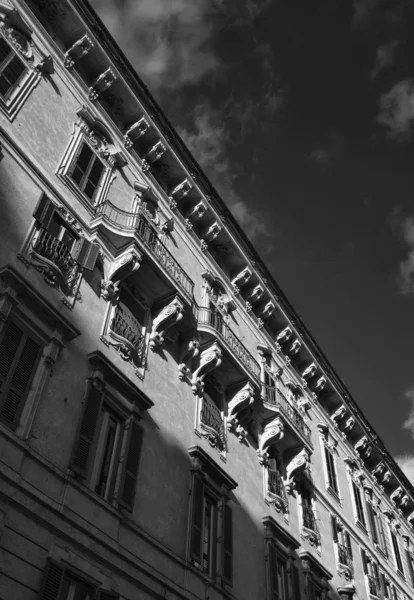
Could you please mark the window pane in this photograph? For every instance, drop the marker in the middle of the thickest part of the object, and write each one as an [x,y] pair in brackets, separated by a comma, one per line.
[108,452]
[10,75]
[82,163]
[5,51]
[94,178]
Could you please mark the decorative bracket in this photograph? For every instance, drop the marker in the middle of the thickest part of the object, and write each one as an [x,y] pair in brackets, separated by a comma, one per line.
[267,310]
[155,153]
[243,399]
[284,335]
[349,425]
[363,447]
[197,211]
[136,131]
[320,384]
[240,279]
[310,371]
[170,315]
[121,269]
[181,190]
[339,414]
[297,465]
[256,294]
[101,83]
[190,352]
[212,232]
[294,348]
[210,359]
[80,48]
[272,433]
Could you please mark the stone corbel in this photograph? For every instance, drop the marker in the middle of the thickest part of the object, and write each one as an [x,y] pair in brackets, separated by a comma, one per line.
[386,477]
[135,131]
[197,211]
[190,352]
[256,294]
[297,465]
[212,232]
[240,279]
[363,447]
[339,414]
[320,384]
[155,153]
[410,519]
[349,425]
[121,269]
[272,434]
[210,359]
[241,400]
[378,471]
[79,49]
[170,315]
[404,501]
[294,348]
[310,371]
[101,83]
[268,310]
[397,495]
[368,492]
[181,190]
[284,335]
[323,432]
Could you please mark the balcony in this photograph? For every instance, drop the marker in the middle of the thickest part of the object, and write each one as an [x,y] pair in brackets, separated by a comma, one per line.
[55,260]
[276,489]
[212,421]
[126,224]
[344,556]
[275,398]
[211,320]
[127,332]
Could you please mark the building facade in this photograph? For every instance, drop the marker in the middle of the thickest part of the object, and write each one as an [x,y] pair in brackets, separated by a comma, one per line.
[168,426]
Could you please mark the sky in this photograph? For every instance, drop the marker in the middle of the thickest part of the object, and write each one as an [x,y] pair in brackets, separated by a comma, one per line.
[302,115]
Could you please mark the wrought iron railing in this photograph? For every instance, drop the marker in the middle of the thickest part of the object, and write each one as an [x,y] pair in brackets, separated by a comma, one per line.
[274,396]
[55,251]
[211,416]
[125,326]
[213,318]
[275,484]
[309,519]
[344,556]
[138,223]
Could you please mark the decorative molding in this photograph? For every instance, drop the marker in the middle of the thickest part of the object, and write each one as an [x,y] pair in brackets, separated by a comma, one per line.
[272,434]
[197,211]
[284,335]
[297,465]
[241,278]
[339,414]
[212,232]
[310,371]
[101,84]
[191,351]
[155,153]
[294,348]
[363,447]
[210,359]
[268,310]
[169,316]
[181,190]
[320,384]
[240,401]
[256,294]
[79,49]
[135,131]
[121,268]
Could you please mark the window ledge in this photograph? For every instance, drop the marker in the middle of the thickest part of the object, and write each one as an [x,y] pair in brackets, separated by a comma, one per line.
[362,527]
[401,574]
[334,494]
[381,551]
[212,582]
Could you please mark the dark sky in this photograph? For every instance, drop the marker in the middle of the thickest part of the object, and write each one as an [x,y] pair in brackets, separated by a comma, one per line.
[302,114]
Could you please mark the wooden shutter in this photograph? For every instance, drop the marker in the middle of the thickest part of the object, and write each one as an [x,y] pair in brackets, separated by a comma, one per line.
[19,355]
[383,539]
[273,579]
[364,561]
[348,544]
[296,595]
[85,253]
[197,512]
[52,581]
[106,595]
[81,456]
[334,529]
[44,211]
[130,472]
[227,544]
[373,525]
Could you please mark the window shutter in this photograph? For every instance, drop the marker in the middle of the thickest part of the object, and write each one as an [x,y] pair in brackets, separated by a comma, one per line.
[130,474]
[364,561]
[87,431]
[372,523]
[19,355]
[106,595]
[295,583]
[85,253]
[197,519]
[410,566]
[384,585]
[273,580]
[382,535]
[348,544]
[227,544]
[334,529]
[52,581]
[44,211]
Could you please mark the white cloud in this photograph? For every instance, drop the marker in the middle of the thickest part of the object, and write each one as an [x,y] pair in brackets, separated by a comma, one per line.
[406,464]
[385,56]
[404,226]
[409,421]
[396,110]
[208,139]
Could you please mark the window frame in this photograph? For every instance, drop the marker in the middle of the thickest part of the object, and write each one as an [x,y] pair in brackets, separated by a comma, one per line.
[358,505]
[312,535]
[396,551]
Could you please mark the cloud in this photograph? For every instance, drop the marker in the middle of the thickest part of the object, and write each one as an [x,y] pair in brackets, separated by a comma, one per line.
[396,110]
[208,139]
[168,42]
[404,227]
[385,56]
[406,464]
[409,421]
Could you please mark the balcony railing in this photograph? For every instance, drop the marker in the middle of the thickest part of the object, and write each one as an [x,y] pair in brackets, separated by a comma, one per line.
[58,257]
[213,318]
[211,417]
[275,397]
[309,520]
[344,556]
[139,224]
[275,484]
[127,329]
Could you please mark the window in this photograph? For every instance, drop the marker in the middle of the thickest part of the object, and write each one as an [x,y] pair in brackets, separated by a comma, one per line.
[87,171]
[283,580]
[278,574]
[211,532]
[342,539]
[377,527]
[396,549]
[58,249]
[409,559]
[211,415]
[330,466]
[374,582]
[276,492]
[308,517]
[62,583]
[97,455]
[12,68]
[19,356]
[357,494]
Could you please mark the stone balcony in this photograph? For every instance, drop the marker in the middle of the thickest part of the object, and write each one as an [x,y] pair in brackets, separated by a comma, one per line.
[275,401]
